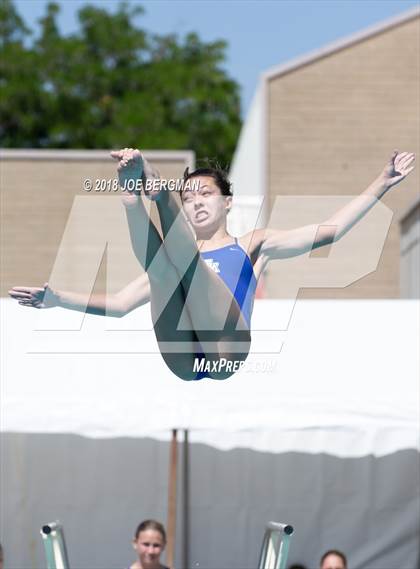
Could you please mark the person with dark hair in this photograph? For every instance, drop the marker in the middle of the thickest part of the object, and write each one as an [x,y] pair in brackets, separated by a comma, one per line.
[333,559]
[213,274]
[200,280]
[297,566]
[219,176]
[149,542]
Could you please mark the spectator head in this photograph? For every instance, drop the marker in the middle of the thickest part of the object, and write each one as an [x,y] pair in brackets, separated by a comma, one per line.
[149,542]
[333,559]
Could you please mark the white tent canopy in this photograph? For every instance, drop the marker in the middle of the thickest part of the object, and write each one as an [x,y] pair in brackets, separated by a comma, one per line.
[345,381]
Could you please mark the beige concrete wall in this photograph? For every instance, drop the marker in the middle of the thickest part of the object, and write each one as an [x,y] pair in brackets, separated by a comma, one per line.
[38,194]
[331,126]
[410,252]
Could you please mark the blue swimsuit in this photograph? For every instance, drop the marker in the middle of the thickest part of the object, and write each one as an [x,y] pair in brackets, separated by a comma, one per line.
[234,267]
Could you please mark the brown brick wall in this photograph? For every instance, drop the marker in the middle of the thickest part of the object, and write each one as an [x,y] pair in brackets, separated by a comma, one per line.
[331,126]
[36,199]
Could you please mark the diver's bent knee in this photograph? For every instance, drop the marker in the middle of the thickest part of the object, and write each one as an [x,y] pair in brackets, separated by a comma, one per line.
[221,375]
[228,365]
[186,376]
[179,368]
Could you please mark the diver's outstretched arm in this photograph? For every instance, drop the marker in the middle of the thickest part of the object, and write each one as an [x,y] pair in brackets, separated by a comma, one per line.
[119,304]
[277,244]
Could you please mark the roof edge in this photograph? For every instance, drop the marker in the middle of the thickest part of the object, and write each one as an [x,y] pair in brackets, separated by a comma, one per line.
[342,43]
[187,156]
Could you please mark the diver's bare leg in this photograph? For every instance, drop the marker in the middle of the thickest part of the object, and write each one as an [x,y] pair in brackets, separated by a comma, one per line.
[220,336]
[216,310]
[215,314]
[179,347]
[178,344]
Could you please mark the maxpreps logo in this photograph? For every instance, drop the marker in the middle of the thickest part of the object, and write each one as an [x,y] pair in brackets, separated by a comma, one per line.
[213,265]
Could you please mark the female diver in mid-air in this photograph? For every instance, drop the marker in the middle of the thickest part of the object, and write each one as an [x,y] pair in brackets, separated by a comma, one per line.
[199,279]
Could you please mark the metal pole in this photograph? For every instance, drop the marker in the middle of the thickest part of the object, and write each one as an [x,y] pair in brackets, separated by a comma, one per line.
[186,502]
[171,525]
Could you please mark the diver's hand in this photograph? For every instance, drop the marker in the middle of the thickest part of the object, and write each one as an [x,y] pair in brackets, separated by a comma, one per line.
[130,173]
[35,297]
[135,174]
[398,167]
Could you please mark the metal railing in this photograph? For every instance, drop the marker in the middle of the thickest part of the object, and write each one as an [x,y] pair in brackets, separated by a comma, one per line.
[55,546]
[275,547]
[274,550]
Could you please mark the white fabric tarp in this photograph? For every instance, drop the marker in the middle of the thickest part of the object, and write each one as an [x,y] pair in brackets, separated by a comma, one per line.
[342,379]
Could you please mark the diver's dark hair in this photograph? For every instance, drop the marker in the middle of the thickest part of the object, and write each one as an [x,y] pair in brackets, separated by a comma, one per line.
[334,552]
[150,524]
[218,175]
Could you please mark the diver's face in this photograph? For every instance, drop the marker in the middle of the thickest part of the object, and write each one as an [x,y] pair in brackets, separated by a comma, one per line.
[149,546]
[204,204]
